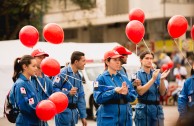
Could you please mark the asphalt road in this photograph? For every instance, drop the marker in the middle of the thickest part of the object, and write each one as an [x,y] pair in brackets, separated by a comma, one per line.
[170,113]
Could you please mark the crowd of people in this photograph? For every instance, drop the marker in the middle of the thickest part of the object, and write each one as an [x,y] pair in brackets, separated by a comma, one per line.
[113,90]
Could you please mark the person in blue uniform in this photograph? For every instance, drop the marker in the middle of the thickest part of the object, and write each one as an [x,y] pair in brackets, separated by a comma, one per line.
[148,111]
[23,92]
[113,92]
[69,82]
[186,102]
[42,83]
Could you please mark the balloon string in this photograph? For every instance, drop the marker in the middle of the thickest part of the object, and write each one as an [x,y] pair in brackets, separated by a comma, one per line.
[136,49]
[69,82]
[72,77]
[146,45]
[182,53]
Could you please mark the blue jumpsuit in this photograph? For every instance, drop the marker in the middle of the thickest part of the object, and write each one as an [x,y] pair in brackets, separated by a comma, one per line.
[114,109]
[124,73]
[186,99]
[46,84]
[26,99]
[149,114]
[77,105]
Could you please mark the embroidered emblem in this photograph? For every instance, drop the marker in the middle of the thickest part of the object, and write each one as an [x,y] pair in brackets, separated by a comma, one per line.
[22,90]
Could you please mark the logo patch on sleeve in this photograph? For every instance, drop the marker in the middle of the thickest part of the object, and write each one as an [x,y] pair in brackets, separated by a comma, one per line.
[23,90]
[31,101]
[57,79]
[95,84]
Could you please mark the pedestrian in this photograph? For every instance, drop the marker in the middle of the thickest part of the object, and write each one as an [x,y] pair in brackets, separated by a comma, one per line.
[42,83]
[186,100]
[148,111]
[69,82]
[178,71]
[113,92]
[22,93]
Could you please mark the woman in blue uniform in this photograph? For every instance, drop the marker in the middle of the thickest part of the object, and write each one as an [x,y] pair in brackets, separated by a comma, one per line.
[113,92]
[23,92]
[148,112]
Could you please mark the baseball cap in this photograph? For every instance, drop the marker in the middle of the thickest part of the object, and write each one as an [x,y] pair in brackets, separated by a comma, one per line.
[111,54]
[38,52]
[122,50]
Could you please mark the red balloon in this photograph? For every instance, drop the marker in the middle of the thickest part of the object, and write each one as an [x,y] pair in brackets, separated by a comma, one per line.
[45,110]
[53,33]
[177,26]
[50,66]
[170,65]
[164,67]
[137,14]
[60,100]
[192,32]
[29,36]
[135,31]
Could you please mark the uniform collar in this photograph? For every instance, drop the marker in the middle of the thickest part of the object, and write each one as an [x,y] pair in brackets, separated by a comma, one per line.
[23,77]
[142,70]
[108,74]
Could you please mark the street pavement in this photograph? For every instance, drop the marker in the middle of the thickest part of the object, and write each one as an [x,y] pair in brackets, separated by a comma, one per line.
[170,115]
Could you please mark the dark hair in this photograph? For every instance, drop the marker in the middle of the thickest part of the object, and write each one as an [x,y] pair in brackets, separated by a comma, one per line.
[106,66]
[24,60]
[142,55]
[76,55]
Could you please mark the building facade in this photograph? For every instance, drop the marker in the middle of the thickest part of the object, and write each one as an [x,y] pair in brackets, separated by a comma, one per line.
[106,21]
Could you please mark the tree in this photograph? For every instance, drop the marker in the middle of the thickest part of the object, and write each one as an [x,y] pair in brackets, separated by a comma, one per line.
[17,13]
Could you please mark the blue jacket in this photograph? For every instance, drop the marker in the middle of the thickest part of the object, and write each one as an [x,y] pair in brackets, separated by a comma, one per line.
[46,84]
[26,99]
[104,92]
[72,80]
[186,97]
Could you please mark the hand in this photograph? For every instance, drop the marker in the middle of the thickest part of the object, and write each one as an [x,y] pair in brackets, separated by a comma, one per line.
[84,122]
[155,74]
[73,91]
[164,74]
[124,88]
[136,82]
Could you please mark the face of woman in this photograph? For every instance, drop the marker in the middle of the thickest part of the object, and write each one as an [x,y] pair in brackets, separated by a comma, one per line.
[114,64]
[31,68]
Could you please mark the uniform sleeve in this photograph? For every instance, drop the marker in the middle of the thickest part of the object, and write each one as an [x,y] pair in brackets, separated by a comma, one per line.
[58,81]
[102,93]
[81,102]
[132,94]
[183,100]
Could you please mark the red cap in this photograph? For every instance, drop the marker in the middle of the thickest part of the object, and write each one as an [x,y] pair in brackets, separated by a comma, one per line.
[122,50]
[38,52]
[111,54]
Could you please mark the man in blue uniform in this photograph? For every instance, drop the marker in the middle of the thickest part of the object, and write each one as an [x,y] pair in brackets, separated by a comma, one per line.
[42,83]
[69,82]
[148,111]
[186,101]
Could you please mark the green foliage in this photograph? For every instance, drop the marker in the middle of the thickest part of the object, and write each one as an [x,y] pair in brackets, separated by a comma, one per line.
[17,13]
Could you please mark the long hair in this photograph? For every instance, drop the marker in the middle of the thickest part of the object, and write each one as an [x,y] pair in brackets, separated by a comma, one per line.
[18,63]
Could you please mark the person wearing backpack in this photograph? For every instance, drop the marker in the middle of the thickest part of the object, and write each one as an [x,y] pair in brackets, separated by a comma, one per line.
[69,82]
[42,83]
[23,93]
